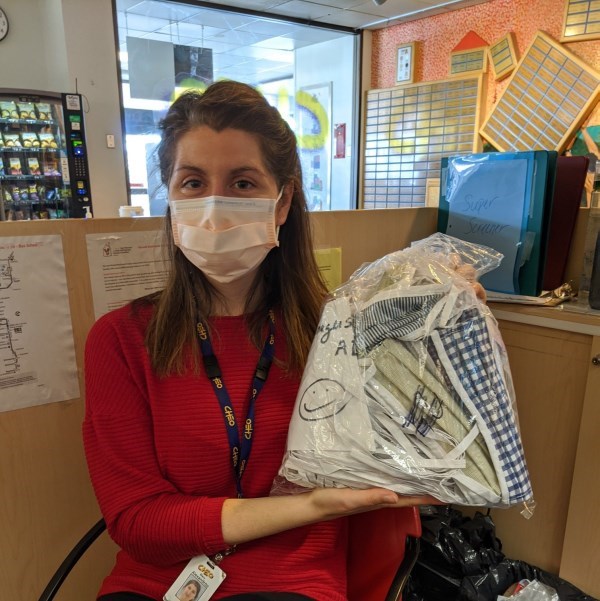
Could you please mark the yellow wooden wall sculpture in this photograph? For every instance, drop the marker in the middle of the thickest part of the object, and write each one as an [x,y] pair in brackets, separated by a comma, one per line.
[546,99]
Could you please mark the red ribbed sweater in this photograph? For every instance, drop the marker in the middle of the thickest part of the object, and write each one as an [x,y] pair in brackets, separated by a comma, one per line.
[159,461]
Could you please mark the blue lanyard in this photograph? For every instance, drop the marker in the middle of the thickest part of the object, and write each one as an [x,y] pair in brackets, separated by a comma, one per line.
[240,450]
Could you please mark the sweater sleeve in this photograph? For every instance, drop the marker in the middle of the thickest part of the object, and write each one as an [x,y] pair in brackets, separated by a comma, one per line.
[145,514]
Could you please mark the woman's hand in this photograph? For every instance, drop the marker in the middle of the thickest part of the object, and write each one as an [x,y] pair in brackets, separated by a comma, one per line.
[468,272]
[479,291]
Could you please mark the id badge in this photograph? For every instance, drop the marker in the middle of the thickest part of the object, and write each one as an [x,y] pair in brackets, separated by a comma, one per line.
[197,582]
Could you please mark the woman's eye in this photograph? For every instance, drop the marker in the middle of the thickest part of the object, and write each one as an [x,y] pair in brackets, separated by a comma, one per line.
[243,184]
[191,183]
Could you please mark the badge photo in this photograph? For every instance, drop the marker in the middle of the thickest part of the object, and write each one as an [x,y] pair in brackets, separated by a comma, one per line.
[198,581]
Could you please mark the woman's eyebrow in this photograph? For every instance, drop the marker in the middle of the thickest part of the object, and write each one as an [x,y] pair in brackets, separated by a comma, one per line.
[184,167]
[246,169]
[235,171]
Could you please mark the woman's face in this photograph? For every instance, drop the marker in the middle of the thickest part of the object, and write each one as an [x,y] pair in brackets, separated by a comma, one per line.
[189,592]
[226,163]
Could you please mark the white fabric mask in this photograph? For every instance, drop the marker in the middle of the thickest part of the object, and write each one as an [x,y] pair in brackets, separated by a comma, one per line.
[225,237]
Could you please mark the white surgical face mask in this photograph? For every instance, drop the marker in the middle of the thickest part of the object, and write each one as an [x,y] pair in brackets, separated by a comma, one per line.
[225,237]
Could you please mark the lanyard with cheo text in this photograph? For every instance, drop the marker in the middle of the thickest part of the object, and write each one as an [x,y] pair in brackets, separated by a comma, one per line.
[240,450]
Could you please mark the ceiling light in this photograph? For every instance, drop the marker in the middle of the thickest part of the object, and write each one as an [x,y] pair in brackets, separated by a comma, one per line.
[379,2]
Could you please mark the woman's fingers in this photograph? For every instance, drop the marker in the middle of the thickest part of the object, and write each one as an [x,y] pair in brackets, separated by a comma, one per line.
[468,272]
[480,292]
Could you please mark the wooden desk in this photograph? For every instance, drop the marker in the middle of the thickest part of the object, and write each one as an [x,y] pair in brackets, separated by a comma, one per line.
[558,396]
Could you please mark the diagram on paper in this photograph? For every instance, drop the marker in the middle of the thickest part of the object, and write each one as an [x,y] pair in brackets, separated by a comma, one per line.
[11,325]
[37,352]
[9,360]
[6,279]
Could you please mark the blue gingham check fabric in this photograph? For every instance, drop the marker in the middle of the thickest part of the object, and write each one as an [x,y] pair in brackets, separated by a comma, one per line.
[466,352]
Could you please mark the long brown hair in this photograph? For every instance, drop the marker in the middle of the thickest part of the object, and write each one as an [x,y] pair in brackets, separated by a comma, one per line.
[288,279]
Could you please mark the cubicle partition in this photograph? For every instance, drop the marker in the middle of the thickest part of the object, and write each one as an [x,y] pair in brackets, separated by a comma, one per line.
[46,500]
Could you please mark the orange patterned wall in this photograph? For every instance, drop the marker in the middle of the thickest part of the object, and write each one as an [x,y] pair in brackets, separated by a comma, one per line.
[438,35]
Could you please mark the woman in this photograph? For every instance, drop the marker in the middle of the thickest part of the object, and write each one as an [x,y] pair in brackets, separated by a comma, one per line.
[190,591]
[169,378]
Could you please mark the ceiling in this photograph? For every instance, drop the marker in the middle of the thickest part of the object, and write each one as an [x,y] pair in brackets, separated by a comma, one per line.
[257,45]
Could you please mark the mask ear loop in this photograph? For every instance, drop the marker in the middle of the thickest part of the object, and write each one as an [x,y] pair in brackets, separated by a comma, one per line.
[274,209]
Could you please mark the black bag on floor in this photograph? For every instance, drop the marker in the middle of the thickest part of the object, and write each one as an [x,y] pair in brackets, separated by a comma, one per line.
[461,559]
[508,571]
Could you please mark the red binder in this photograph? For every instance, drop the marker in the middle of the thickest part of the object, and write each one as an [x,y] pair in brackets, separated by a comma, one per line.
[566,200]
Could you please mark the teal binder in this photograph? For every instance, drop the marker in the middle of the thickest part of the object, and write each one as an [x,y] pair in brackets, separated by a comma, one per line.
[531,274]
[498,199]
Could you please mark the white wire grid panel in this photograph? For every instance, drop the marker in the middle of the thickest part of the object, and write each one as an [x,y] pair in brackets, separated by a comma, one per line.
[408,130]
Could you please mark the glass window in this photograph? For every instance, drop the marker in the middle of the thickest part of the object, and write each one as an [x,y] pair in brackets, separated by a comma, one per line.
[308,72]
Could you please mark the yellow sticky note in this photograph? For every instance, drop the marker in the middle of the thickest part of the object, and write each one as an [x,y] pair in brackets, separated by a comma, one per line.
[329,261]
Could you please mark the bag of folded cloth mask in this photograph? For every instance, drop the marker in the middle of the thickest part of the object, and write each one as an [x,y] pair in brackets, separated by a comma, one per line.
[408,387]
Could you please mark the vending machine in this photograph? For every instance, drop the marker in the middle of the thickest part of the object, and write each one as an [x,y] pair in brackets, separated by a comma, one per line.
[43,156]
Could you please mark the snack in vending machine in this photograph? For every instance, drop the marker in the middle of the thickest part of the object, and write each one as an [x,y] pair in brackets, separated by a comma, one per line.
[30,139]
[14,166]
[8,110]
[26,110]
[33,193]
[12,141]
[13,194]
[47,140]
[44,111]
[33,165]
[50,165]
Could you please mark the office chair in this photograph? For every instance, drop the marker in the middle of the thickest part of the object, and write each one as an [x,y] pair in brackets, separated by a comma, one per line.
[71,559]
[383,548]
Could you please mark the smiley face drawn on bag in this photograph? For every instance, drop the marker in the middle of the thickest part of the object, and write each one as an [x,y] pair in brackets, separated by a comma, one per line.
[323,399]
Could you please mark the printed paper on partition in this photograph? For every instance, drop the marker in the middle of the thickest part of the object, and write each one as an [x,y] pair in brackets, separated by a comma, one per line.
[125,266]
[37,353]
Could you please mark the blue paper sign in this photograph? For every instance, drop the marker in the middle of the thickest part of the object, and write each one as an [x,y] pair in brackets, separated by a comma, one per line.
[488,201]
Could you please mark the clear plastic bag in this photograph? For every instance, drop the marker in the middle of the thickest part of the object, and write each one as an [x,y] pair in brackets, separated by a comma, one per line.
[408,387]
[533,591]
